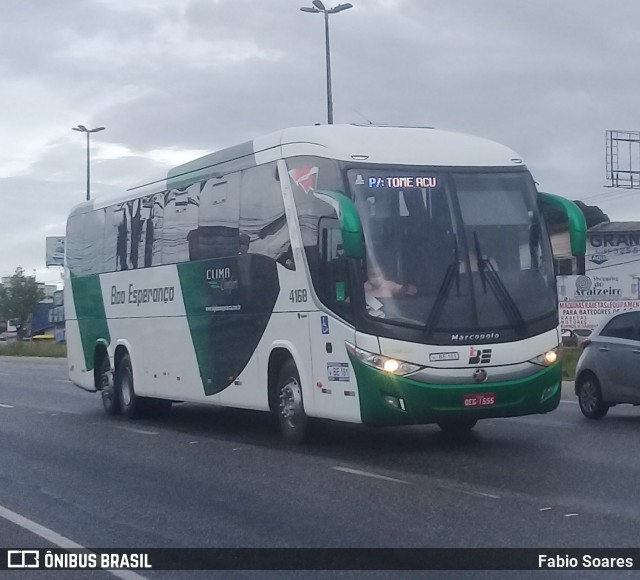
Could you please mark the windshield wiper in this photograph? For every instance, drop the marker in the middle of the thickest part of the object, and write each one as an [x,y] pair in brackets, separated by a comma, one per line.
[534,240]
[453,270]
[489,275]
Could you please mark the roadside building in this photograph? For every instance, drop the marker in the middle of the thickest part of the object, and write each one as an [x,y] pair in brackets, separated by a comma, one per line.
[612,276]
[41,321]
[57,316]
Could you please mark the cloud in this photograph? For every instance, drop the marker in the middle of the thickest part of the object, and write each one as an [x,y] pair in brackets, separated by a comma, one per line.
[170,78]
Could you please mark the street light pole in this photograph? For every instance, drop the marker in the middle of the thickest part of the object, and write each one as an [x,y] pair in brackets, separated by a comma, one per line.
[83,129]
[318,6]
[328,59]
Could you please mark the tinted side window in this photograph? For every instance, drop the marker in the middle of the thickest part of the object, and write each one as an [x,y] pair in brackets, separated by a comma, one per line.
[308,175]
[84,247]
[320,229]
[113,219]
[131,234]
[180,218]
[622,326]
[217,233]
[263,223]
[75,243]
[151,249]
[94,222]
[123,236]
[332,284]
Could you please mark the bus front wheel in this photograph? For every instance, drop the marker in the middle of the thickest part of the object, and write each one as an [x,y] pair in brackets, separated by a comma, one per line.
[290,407]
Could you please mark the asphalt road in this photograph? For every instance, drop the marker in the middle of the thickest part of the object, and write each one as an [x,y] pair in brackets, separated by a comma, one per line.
[207,477]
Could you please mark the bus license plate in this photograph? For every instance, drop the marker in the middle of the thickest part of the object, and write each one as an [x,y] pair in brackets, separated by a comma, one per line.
[480,400]
[338,371]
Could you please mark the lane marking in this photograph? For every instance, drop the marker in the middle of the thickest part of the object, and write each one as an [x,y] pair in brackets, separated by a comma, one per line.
[368,474]
[476,493]
[62,380]
[393,479]
[6,406]
[570,402]
[544,509]
[570,515]
[59,540]
[140,431]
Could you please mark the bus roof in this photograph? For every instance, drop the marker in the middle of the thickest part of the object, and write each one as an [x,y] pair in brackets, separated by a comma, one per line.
[392,145]
[370,143]
[355,143]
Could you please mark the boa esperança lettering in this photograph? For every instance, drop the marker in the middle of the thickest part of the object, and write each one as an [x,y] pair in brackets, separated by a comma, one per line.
[139,296]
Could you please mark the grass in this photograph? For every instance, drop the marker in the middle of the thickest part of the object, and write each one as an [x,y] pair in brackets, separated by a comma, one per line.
[33,348]
[570,358]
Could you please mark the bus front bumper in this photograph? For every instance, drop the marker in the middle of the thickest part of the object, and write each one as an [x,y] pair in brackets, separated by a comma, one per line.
[387,399]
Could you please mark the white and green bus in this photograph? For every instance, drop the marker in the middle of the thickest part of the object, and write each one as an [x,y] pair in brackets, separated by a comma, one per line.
[367,274]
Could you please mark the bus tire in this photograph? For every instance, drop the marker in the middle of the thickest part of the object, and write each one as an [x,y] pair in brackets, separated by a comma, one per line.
[129,401]
[590,397]
[457,425]
[289,405]
[108,392]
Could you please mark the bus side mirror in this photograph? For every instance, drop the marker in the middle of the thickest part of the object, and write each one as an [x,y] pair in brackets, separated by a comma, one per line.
[350,224]
[575,218]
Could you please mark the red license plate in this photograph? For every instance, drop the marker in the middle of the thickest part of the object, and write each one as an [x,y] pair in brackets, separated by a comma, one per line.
[479,400]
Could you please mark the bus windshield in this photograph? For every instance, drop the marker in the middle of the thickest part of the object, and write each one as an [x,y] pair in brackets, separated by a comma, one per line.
[455,252]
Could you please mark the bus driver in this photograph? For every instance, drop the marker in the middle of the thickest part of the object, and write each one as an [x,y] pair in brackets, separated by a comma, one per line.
[379,287]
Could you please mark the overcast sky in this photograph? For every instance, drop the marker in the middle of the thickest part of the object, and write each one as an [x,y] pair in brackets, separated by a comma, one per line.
[173,79]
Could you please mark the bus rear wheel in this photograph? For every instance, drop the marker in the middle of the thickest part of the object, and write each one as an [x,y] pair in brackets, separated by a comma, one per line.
[127,397]
[290,407]
[457,425]
[108,392]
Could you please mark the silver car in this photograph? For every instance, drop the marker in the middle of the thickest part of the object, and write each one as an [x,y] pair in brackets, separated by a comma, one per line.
[575,337]
[608,371]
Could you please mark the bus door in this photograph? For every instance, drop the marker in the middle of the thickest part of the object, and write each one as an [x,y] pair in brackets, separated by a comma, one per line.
[329,329]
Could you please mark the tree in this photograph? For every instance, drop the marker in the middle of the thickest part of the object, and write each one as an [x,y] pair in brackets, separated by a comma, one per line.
[18,299]
[557,220]
[592,213]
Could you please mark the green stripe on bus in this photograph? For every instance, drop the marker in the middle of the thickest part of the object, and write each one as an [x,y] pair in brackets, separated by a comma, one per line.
[228,303]
[92,319]
[429,403]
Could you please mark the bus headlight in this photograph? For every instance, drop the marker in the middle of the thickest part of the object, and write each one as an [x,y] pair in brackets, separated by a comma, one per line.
[547,358]
[383,363]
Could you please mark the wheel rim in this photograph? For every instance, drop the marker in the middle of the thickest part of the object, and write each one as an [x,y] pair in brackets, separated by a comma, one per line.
[589,398]
[107,396]
[125,387]
[291,403]
[107,389]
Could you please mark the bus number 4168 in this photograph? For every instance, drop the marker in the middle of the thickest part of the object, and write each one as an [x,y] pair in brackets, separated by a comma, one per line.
[298,295]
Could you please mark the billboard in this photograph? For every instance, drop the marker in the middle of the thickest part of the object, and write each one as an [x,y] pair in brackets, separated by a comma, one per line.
[599,285]
[614,251]
[584,300]
[55,251]
[589,313]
